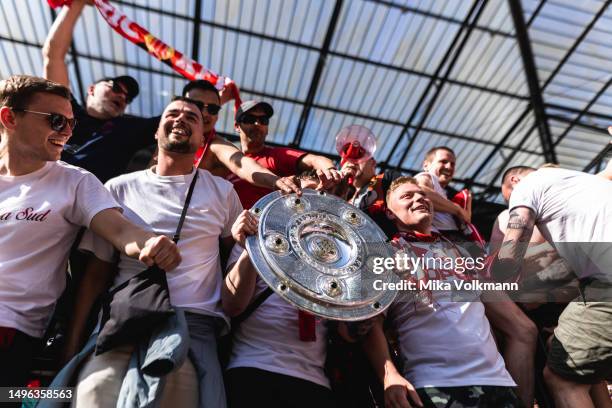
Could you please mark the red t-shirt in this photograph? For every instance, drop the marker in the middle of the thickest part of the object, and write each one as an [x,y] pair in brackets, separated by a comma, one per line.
[281,161]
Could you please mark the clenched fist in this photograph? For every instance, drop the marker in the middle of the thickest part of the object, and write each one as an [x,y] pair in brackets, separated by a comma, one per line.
[161,251]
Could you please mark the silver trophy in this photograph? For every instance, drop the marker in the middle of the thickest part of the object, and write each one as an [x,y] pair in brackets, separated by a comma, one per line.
[318,252]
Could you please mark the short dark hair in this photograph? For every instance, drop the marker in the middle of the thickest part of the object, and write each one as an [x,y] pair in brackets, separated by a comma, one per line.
[511,171]
[431,152]
[201,84]
[17,91]
[198,104]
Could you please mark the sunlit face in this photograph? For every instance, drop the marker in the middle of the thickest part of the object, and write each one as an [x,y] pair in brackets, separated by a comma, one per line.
[254,134]
[33,137]
[410,207]
[104,100]
[180,128]
[206,97]
[442,165]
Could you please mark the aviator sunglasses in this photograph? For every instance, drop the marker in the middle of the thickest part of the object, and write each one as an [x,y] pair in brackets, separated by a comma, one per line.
[57,121]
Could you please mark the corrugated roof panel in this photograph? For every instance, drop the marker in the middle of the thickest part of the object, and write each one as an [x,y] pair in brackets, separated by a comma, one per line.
[357,87]
[258,64]
[488,122]
[324,126]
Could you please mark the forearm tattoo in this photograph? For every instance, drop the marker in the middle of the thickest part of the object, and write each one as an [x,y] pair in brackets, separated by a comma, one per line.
[517,222]
[512,251]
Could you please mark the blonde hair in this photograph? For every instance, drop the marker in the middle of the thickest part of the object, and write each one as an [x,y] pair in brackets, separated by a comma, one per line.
[398,182]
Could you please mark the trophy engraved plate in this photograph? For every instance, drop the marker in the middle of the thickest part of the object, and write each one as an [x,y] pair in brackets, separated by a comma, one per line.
[317,252]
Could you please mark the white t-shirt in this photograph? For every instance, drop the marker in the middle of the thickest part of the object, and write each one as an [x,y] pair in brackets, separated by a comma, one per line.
[40,216]
[155,203]
[442,221]
[269,340]
[573,212]
[446,343]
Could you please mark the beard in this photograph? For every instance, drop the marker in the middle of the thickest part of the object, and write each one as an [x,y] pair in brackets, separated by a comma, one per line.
[183,145]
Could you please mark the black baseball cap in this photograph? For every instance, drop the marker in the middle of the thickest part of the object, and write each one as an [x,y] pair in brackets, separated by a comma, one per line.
[248,105]
[130,84]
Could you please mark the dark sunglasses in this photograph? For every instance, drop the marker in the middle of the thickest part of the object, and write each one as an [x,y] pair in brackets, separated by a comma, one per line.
[211,108]
[251,120]
[118,89]
[57,121]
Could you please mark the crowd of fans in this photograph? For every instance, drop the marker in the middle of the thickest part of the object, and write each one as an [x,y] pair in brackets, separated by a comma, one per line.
[64,189]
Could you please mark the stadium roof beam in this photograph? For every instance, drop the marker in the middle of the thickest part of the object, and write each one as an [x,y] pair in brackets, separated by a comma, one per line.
[308,47]
[197,21]
[455,47]
[597,115]
[531,72]
[597,161]
[523,115]
[573,122]
[576,120]
[316,77]
[414,10]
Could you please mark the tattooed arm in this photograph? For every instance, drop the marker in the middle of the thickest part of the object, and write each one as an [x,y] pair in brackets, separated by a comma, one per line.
[516,240]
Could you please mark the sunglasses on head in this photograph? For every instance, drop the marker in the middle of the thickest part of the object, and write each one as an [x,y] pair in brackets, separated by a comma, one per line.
[57,121]
[252,119]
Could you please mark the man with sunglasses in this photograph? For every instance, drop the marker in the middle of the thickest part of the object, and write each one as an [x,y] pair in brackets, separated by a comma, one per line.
[221,157]
[43,204]
[252,120]
[105,139]
[154,199]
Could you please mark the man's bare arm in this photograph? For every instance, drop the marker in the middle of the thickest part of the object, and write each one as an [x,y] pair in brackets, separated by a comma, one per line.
[134,241]
[58,43]
[520,226]
[440,203]
[327,173]
[248,169]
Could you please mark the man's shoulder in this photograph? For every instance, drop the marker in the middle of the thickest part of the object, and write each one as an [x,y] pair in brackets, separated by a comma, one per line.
[219,183]
[126,179]
[70,170]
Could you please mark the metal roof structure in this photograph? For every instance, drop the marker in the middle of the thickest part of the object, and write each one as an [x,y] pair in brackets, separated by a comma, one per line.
[502,82]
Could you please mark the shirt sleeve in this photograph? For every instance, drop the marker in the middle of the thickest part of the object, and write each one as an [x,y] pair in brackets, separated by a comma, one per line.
[90,197]
[234,210]
[526,194]
[98,246]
